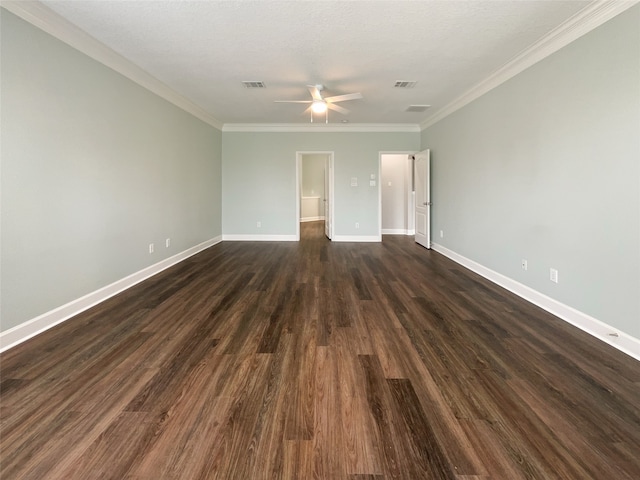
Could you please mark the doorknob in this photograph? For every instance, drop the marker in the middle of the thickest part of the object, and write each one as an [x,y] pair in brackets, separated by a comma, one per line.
[427,204]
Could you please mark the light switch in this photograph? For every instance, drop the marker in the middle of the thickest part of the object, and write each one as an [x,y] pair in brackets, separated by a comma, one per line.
[372,183]
[354,181]
[373,176]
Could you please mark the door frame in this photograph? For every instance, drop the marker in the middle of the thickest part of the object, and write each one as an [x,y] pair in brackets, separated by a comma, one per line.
[380,154]
[329,197]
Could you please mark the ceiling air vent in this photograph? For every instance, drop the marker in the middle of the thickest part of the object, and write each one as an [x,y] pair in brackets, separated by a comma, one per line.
[250,84]
[405,83]
[417,108]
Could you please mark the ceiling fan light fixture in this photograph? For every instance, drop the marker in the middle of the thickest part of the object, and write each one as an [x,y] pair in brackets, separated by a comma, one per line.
[319,107]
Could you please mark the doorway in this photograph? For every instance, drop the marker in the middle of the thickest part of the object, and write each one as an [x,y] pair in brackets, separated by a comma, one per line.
[314,190]
[397,198]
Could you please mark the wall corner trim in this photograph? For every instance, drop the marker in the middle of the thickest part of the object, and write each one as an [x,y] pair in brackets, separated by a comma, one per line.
[18,334]
[589,18]
[597,328]
[50,22]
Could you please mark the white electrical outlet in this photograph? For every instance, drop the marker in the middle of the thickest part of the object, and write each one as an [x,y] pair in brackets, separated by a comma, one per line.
[151,248]
[167,242]
[357,225]
[524,264]
[553,275]
[258,224]
[441,234]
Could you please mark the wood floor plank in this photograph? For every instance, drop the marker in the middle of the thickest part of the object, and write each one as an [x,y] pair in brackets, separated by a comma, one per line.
[526,436]
[427,457]
[388,452]
[488,447]
[579,446]
[358,441]
[38,454]
[451,436]
[327,410]
[302,356]
[228,456]
[317,360]
[298,459]
[268,438]
[111,454]
[193,420]
[58,401]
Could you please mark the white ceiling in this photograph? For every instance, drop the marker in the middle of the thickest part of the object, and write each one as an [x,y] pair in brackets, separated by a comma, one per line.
[204,49]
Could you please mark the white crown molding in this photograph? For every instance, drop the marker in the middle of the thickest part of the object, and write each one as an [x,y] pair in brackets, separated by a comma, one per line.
[597,328]
[592,16]
[47,20]
[18,334]
[322,127]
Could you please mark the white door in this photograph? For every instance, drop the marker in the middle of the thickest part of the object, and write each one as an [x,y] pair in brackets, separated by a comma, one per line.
[423,199]
[328,175]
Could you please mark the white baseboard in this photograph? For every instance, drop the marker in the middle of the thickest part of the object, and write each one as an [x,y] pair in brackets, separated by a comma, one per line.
[397,231]
[311,219]
[259,238]
[608,334]
[18,334]
[356,238]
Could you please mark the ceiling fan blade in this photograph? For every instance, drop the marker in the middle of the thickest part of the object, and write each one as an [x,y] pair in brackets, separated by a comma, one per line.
[307,110]
[342,98]
[293,101]
[337,108]
[315,93]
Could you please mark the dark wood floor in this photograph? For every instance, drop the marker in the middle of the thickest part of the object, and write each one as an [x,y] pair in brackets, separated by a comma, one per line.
[318,360]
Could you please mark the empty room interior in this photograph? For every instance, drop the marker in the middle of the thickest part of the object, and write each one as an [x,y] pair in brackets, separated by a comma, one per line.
[342,240]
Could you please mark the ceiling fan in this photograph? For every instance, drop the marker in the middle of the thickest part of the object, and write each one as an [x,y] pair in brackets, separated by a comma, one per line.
[320,104]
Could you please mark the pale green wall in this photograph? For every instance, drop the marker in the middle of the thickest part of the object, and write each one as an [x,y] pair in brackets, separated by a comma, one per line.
[94,168]
[547,167]
[259,172]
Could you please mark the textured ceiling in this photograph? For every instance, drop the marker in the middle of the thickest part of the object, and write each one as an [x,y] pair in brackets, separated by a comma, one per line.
[205,49]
